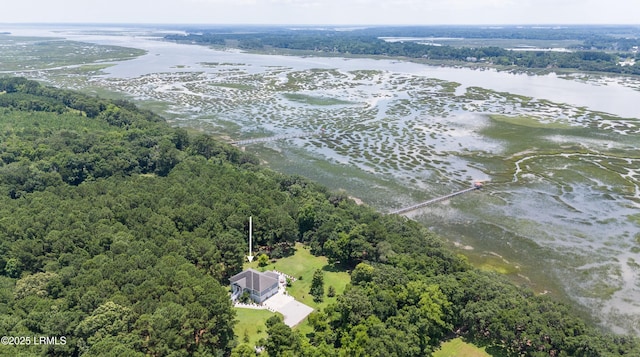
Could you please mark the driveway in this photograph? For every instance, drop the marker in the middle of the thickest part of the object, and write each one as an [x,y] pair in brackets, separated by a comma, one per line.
[293,311]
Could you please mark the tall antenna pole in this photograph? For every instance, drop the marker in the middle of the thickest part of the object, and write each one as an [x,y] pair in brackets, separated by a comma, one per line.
[250,257]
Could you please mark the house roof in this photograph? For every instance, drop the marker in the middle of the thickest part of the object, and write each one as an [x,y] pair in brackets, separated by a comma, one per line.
[254,280]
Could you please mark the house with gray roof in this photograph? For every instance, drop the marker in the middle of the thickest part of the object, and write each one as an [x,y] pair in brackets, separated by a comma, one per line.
[260,286]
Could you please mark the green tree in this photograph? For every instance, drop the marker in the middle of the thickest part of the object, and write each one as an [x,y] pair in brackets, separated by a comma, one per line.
[363,273]
[13,267]
[243,350]
[109,319]
[331,292]
[282,341]
[34,284]
[317,286]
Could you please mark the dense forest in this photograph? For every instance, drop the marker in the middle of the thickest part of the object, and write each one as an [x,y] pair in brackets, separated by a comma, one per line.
[601,49]
[120,232]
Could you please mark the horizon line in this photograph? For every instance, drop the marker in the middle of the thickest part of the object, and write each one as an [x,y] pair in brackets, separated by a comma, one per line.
[532,24]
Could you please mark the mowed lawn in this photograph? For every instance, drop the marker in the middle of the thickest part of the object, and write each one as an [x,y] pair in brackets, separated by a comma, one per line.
[302,265]
[457,347]
[253,322]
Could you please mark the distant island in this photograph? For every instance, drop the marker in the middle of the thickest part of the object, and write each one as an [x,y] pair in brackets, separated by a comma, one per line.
[610,49]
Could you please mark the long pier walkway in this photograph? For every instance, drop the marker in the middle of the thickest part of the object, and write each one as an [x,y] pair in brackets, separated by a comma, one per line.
[277,137]
[476,186]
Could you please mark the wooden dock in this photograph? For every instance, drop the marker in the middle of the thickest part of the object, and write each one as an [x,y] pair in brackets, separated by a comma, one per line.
[476,186]
[277,137]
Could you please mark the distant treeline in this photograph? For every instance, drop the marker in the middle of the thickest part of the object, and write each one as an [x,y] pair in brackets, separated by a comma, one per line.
[119,233]
[600,51]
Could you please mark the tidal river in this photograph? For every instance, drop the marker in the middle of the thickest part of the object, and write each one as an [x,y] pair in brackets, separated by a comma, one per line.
[560,210]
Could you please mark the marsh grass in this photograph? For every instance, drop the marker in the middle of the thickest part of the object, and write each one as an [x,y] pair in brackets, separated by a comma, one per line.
[314,100]
[529,121]
[46,53]
[238,86]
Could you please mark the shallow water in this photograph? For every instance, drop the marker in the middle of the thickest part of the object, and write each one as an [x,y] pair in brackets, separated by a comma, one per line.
[562,199]
[600,94]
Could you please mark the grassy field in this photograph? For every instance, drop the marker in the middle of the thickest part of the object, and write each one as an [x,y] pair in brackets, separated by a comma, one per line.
[457,347]
[301,266]
[251,323]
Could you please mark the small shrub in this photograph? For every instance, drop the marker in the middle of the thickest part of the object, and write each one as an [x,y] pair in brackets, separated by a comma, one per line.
[245,298]
[263,260]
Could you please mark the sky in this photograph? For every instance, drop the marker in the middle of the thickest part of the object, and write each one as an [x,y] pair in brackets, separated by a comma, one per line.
[323,12]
